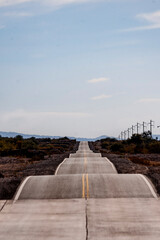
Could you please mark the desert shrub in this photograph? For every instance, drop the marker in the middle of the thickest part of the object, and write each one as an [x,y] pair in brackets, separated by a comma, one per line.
[7,146]
[146,136]
[1,145]
[136,138]
[111,140]
[29,144]
[154,147]
[18,138]
[129,148]
[138,143]
[105,145]
[117,147]
[139,148]
[1,175]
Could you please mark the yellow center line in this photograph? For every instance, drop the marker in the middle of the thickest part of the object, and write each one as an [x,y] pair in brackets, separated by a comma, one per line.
[85,164]
[87,183]
[83,186]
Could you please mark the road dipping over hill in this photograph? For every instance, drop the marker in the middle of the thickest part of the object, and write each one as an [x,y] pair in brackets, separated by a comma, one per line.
[86,199]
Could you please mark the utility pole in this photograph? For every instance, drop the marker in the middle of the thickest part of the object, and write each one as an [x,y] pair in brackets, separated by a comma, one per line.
[128,132]
[151,126]
[138,126]
[124,135]
[144,126]
[121,135]
[132,130]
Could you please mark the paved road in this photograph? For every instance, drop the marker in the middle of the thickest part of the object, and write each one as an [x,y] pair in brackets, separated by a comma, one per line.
[85,199]
[124,219]
[44,220]
[92,185]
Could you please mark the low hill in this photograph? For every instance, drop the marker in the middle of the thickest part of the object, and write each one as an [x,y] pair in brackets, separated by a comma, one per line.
[14,134]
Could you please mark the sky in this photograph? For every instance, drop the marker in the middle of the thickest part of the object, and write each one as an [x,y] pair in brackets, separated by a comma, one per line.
[81,68]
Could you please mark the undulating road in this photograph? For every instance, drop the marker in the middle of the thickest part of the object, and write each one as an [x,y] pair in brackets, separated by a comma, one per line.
[86,199]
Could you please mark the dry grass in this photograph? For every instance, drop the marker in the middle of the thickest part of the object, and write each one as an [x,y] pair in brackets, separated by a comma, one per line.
[143,161]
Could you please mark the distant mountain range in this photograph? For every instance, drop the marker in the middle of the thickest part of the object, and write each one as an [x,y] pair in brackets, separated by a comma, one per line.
[14,134]
[91,139]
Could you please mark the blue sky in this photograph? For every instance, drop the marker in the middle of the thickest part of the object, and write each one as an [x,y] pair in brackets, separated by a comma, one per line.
[78,67]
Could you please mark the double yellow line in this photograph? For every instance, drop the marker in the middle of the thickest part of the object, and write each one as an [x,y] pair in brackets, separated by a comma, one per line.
[85,186]
[85,182]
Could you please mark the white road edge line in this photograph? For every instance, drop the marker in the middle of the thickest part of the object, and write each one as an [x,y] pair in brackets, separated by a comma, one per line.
[111,164]
[20,189]
[60,166]
[5,201]
[149,184]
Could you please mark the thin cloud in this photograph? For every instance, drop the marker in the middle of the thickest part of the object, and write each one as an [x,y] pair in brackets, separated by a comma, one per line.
[97,80]
[150,27]
[17,14]
[64,2]
[149,100]
[152,18]
[5,3]
[2,26]
[103,96]
[54,3]
[20,114]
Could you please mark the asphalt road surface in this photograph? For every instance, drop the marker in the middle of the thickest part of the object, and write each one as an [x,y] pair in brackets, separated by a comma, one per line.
[86,199]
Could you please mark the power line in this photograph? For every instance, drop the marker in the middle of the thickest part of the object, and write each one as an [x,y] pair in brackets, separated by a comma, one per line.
[137,127]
